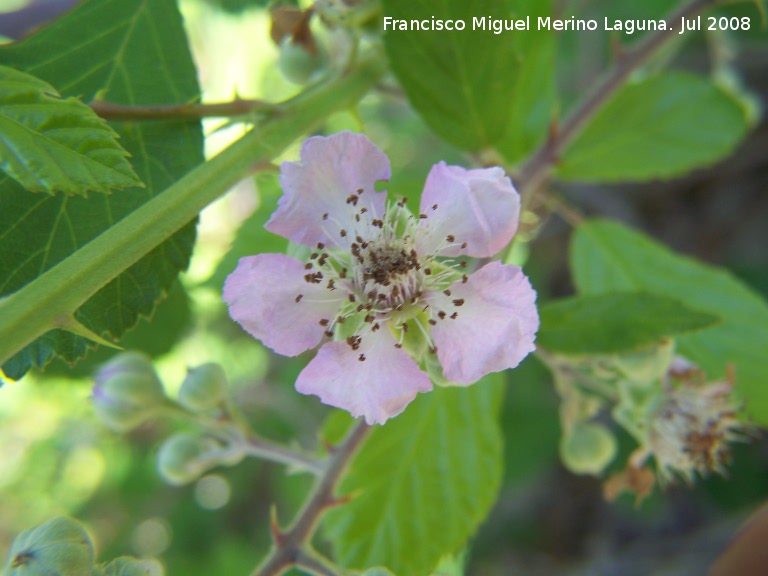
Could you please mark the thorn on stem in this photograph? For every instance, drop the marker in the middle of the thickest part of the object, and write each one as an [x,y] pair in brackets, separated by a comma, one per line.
[278,536]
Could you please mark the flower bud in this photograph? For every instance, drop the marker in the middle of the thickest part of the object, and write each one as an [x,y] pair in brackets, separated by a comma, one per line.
[298,65]
[648,364]
[587,448]
[204,388]
[127,566]
[185,457]
[60,546]
[127,391]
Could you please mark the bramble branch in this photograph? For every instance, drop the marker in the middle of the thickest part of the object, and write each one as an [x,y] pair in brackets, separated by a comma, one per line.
[536,169]
[237,107]
[292,547]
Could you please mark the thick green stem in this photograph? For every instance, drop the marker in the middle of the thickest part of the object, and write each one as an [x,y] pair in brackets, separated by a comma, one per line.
[51,300]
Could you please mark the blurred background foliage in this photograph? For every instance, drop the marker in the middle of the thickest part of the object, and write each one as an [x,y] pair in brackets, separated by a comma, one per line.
[56,457]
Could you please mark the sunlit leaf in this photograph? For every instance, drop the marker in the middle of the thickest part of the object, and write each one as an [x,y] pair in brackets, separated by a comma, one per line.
[53,144]
[422,483]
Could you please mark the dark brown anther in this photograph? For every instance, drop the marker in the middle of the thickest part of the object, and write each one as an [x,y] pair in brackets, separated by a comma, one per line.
[463,245]
[352,199]
[361,358]
[463,263]
[428,271]
[351,298]
[404,326]
[441,315]
[323,259]
[381,297]
[360,190]
[359,239]
[354,342]
[357,217]
[343,273]
[371,295]
[313,256]
[320,245]
[433,349]
[454,315]
[308,266]
[378,223]
[325,216]
[363,210]
[398,345]
[464,279]
[432,321]
[361,307]
[375,327]
[450,238]
[368,318]
[423,216]
[308,278]
[458,301]
[447,292]
[343,233]
[298,297]
[363,245]
[331,284]
[329,333]
[434,206]
[324,322]
[341,320]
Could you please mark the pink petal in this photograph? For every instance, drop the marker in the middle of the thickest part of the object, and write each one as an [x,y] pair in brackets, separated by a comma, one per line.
[495,326]
[331,170]
[262,293]
[378,388]
[479,207]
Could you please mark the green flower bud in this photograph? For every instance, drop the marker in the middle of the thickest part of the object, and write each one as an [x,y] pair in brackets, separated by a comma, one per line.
[185,457]
[587,448]
[127,391]
[646,365]
[127,566]
[298,65]
[60,546]
[204,388]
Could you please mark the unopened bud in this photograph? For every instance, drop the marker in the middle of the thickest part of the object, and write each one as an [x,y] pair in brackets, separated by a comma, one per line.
[587,448]
[298,65]
[204,388]
[60,546]
[185,457]
[127,566]
[127,391]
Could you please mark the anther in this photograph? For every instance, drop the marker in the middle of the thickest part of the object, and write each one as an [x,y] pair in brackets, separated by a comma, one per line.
[324,322]
[463,263]
[298,297]
[432,322]
[458,301]
[341,320]
[463,245]
[433,349]
[331,284]
[361,358]
[398,345]
[320,245]
[447,292]
[450,238]
[352,199]
[343,233]
[454,315]
[351,298]
[464,279]
[368,318]
[428,271]
[308,266]
[441,315]
[313,256]
[422,216]
[404,326]
[329,333]
[434,206]
[325,216]
[343,273]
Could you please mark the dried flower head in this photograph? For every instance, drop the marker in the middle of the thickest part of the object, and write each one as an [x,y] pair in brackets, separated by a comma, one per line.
[385,287]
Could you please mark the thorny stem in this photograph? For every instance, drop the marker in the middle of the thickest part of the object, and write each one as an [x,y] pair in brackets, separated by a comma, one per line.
[237,107]
[292,547]
[536,169]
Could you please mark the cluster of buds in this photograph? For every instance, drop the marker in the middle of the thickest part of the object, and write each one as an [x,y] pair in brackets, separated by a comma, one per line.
[63,546]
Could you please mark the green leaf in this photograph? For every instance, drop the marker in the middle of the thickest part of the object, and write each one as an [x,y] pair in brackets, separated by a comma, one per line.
[607,257]
[131,52]
[533,98]
[51,144]
[615,322]
[422,483]
[460,82]
[660,127]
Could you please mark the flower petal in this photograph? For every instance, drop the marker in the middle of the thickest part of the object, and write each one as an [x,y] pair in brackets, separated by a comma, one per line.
[314,207]
[479,207]
[495,326]
[378,388]
[262,294]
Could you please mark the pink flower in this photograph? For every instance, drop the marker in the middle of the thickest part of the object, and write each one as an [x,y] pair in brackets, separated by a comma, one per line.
[385,290]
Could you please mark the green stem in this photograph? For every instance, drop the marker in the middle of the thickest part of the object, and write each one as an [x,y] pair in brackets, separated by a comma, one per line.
[51,300]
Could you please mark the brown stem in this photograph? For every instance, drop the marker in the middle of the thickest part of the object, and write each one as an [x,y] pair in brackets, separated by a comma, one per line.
[291,547]
[237,107]
[536,169]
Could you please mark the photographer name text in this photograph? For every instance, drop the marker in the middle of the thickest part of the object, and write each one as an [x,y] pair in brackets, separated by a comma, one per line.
[500,26]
